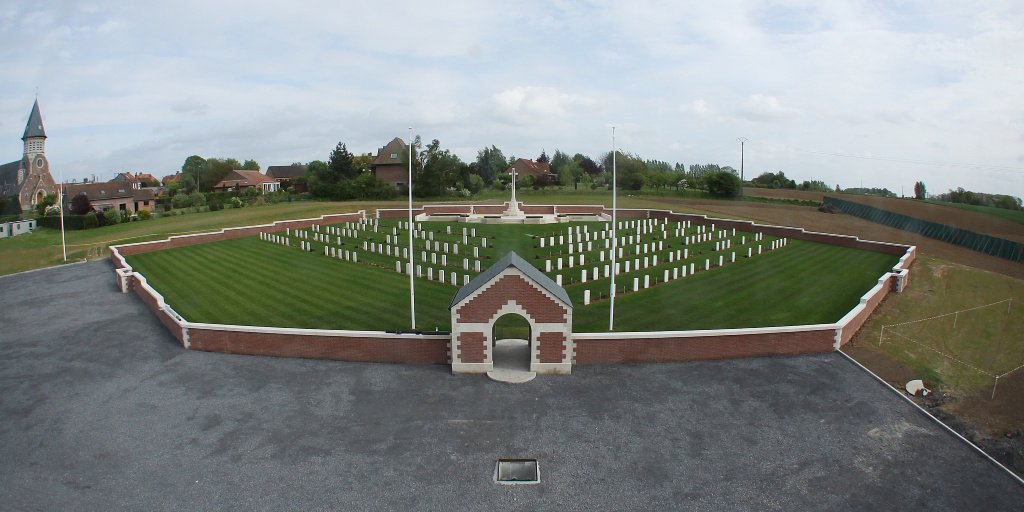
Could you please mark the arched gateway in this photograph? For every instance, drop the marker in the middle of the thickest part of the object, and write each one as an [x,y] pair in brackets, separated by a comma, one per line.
[511,285]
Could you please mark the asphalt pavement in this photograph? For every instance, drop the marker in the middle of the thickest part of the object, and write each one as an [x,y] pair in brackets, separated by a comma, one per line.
[100,409]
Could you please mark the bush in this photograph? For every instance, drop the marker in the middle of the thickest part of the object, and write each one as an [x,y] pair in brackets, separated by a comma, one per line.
[235,202]
[181,200]
[90,221]
[723,184]
[197,199]
[475,183]
[112,216]
[80,205]
[144,214]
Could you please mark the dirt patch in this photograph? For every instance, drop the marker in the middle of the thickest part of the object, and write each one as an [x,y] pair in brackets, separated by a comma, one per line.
[956,217]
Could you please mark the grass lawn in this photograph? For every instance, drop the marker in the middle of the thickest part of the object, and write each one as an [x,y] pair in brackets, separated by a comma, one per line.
[42,248]
[989,339]
[248,281]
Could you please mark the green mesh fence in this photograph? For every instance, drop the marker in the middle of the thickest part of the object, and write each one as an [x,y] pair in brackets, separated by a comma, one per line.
[991,245]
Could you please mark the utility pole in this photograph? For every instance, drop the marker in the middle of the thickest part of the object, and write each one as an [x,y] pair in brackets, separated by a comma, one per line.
[742,141]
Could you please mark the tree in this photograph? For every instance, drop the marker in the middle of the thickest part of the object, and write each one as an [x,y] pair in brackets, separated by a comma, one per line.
[216,170]
[919,190]
[723,184]
[48,200]
[543,158]
[773,180]
[341,162]
[489,163]
[816,186]
[589,166]
[80,204]
[250,165]
[567,170]
[439,172]
[193,168]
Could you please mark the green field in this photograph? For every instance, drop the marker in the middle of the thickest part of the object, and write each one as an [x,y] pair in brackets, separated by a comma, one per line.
[252,282]
[962,352]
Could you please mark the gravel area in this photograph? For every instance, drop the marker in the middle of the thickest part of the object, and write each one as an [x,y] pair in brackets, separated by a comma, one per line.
[102,410]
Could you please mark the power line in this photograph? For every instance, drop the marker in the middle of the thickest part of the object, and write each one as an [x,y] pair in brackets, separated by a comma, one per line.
[999,169]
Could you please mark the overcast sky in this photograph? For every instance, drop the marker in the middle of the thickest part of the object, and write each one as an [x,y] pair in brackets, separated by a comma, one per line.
[874,93]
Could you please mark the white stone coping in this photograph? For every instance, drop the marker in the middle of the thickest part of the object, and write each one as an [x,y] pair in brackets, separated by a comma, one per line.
[601,336]
[296,331]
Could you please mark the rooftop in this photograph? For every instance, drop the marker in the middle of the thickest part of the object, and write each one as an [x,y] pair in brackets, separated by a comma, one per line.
[104,410]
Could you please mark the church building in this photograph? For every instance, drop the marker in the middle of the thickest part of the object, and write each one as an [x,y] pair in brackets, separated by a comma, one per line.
[29,178]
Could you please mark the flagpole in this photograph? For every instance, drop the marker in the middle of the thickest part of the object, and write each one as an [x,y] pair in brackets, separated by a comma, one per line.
[615,238]
[412,286]
[63,242]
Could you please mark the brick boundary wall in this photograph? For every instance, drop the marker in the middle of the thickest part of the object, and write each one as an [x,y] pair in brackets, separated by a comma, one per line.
[589,348]
[674,346]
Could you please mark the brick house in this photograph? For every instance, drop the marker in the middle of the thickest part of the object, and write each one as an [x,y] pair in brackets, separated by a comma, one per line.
[286,175]
[391,165]
[511,286]
[118,195]
[239,179]
[524,168]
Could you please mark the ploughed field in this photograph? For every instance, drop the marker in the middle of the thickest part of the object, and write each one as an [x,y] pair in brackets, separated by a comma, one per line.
[671,276]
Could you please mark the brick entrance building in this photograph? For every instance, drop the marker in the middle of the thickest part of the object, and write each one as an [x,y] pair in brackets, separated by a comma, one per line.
[513,286]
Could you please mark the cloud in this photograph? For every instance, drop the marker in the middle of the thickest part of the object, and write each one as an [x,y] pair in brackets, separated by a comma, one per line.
[126,85]
[697,107]
[765,108]
[528,105]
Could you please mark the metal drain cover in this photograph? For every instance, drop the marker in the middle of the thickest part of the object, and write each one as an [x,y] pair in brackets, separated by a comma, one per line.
[517,471]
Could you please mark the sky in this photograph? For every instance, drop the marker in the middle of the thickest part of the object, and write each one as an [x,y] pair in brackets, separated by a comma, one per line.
[873,94]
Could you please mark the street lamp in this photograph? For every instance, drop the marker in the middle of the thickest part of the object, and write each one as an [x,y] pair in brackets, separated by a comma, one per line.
[742,141]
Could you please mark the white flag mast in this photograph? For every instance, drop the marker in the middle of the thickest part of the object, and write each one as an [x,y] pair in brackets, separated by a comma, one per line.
[615,238]
[412,285]
[60,201]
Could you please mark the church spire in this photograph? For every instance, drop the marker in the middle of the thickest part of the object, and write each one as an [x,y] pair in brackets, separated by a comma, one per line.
[34,128]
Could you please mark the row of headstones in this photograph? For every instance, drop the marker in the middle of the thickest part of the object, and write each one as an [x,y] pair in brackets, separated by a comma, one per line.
[640,249]
[277,239]
[444,260]
[637,265]
[452,276]
[576,245]
[341,254]
[468,235]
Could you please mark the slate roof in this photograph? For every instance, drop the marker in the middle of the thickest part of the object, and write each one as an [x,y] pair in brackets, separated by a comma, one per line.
[512,260]
[287,171]
[100,191]
[396,146]
[9,178]
[34,128]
